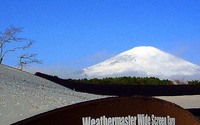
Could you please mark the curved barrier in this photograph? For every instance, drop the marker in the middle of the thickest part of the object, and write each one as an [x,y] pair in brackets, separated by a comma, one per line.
[116,111]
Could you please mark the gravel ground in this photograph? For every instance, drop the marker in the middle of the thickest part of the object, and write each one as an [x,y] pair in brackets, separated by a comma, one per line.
[23,95]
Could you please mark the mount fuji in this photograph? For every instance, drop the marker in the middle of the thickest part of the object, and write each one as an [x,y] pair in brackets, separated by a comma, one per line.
[144,61]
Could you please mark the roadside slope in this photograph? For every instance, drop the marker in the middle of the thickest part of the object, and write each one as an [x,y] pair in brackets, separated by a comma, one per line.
[23,95]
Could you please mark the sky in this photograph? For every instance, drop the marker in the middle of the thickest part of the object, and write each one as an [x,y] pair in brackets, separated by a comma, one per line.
[70,35]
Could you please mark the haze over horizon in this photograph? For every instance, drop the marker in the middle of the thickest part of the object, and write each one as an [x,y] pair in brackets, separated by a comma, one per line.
[71,35]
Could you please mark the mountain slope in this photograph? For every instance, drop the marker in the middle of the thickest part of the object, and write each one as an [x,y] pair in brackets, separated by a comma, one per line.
[144,61]
[23,95]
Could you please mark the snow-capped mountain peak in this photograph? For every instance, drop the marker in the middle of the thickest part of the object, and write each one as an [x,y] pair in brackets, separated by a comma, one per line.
[144,61]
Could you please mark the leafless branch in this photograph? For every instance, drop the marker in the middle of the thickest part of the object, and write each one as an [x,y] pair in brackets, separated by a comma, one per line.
[16,48]
[10,35]
[26,59]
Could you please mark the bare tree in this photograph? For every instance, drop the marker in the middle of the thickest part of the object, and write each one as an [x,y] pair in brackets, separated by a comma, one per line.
[26,59]
[8,36]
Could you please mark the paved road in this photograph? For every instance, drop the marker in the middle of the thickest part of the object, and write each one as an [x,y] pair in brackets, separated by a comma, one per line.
[187,102]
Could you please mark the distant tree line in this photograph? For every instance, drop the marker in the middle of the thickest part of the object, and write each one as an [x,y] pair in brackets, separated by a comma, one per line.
[127,81]
[194,82]
[122,86]
[120,80]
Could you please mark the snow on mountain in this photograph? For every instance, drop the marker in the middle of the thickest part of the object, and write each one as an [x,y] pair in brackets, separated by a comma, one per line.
[144,61]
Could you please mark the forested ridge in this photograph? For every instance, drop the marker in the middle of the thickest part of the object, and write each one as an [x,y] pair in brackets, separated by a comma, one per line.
[127,81]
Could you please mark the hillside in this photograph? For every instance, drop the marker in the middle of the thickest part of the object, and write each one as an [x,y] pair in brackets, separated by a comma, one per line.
[23,95]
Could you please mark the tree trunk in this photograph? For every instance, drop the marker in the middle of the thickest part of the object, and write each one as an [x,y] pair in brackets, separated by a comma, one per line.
[1,60]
